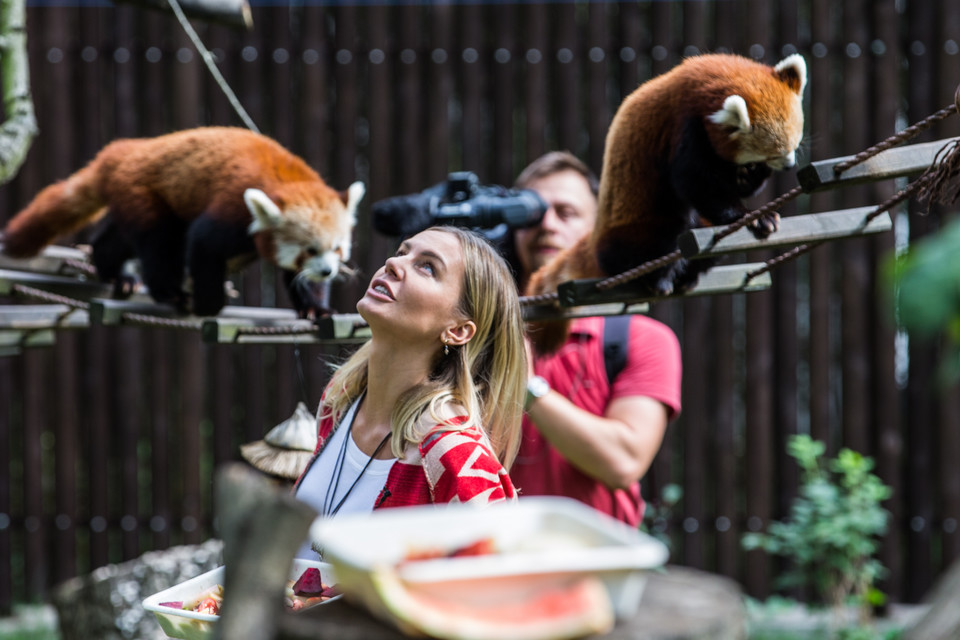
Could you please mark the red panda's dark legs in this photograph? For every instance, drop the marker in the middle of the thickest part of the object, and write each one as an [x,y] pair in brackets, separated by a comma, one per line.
[210,244]
[111,250]
[161,251]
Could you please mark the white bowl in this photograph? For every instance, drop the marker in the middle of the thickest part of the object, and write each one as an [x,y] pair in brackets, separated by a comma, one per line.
[539,540]
[191,625]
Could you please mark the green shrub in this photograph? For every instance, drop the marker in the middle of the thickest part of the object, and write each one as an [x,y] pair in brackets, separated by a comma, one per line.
[834,528]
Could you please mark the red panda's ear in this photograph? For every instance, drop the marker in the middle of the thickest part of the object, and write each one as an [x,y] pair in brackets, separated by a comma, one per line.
[734,115]
[792,71]
[352,196]
[266,214]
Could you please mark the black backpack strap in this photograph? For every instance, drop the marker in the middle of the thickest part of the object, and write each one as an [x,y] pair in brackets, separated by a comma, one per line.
[616,332]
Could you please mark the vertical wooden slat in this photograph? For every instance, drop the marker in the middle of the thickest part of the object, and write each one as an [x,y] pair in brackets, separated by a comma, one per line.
[760,349]
[285,389]
[820,140]
[728,523]
[856,280]
[154,62]
[7,413]
[129,364]
[601,56]
[439,55]
[568,62]
[98,391]
[67,424]
[698,350]
[196,483]
[410,99]
[473,60]
[786,340]
[36,419]
[889,448]
[384,160]
[537,53]
[731,463]
[922,415]
[505,52]
[166,469]
[187,81]
[697,427]
[129,367]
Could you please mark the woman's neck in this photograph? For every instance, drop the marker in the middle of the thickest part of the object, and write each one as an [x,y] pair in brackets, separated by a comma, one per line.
[390,373]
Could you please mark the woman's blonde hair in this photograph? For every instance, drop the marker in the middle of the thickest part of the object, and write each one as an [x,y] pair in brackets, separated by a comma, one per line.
[486,375]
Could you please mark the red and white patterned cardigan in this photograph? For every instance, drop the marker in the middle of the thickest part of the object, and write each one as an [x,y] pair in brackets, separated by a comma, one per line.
[447,466]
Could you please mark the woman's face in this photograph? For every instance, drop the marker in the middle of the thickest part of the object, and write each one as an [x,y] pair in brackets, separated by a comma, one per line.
[415,295]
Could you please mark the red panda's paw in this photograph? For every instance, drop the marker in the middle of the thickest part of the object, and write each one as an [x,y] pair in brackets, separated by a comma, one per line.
[751,178]
[663,287]
[766,224]
[125,286]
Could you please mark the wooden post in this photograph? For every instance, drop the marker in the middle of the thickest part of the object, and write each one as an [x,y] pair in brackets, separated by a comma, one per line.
[262,527]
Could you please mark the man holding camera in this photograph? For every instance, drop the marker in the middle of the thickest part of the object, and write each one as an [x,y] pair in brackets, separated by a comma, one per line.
[585,436]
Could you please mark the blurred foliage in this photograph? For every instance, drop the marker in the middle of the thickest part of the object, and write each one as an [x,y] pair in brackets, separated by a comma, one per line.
[925,282]
[659,513]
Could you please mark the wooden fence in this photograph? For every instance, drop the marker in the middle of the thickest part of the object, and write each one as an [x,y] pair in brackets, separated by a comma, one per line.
[109,438]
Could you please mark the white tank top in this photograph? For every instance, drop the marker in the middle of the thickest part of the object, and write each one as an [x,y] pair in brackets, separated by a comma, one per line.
[317,485]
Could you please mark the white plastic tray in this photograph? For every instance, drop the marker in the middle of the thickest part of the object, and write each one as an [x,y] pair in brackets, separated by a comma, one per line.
[190,625]
[539,540]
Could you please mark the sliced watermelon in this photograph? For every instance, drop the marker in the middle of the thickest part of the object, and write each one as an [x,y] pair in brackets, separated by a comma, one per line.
[482,547]
[309,583]
[572,609]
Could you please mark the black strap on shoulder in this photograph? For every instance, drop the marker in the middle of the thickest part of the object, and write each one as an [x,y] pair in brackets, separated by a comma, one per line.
[616,331]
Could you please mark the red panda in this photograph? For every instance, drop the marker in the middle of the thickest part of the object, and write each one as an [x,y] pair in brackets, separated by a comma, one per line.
[198,201]
[682,151]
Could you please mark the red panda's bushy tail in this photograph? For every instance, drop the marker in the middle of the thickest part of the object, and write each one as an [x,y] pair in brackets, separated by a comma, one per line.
[59,209]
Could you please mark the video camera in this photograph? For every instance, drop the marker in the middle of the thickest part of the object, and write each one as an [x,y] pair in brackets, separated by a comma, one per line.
[458,201]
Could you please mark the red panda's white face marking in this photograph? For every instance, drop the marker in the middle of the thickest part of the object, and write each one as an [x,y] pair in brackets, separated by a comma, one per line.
[313,241]
[765,124]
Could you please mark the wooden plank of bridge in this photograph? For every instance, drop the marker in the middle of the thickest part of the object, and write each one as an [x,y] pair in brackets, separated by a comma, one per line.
[54,260]
[108,311]
[794,230]
[892,163]
[60,285]
[43,316]
[718,280]
[229,325]
[550,311]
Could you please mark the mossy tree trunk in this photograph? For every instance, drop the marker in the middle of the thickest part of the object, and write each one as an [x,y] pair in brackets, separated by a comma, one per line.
[20,127]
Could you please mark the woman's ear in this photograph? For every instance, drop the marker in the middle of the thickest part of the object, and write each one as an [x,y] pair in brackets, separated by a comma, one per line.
[461,334]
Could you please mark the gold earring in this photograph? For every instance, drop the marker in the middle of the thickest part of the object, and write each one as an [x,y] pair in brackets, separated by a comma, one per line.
[446,348]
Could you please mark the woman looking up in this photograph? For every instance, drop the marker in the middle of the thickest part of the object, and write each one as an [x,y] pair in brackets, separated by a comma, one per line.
[428,410]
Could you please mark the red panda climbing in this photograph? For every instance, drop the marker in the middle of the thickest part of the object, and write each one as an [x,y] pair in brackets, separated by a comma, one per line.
[202,200]
[682,151]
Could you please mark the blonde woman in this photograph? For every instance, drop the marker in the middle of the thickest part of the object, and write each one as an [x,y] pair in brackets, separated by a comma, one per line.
[429,409]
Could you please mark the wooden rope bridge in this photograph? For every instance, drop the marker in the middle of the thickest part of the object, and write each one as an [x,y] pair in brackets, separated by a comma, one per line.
[62,278]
